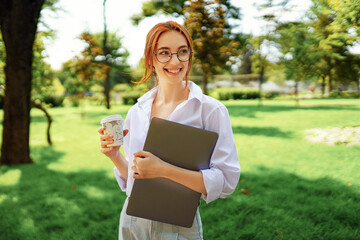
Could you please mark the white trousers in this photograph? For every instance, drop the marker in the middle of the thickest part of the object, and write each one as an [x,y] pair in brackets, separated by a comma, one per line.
[135,228]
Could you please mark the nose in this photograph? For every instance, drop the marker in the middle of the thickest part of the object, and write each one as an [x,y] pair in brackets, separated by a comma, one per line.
[174,58]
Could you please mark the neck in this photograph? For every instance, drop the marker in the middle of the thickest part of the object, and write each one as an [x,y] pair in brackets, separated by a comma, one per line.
[171,93]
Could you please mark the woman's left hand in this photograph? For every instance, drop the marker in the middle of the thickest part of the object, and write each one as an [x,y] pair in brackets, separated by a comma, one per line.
[147,165]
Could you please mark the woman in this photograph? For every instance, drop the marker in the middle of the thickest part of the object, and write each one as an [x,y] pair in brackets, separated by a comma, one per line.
[168,55]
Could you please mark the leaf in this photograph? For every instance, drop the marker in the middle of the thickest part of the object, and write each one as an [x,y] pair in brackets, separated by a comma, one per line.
[245,191]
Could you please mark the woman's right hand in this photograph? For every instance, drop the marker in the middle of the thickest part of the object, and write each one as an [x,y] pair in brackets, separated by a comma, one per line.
[105,139]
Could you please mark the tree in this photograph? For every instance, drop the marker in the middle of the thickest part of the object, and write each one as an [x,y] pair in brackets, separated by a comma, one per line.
[259,61]
[106,60]
[18,22]
[333,40]
[90,68]
[152,7]
[205,21]
[297,44]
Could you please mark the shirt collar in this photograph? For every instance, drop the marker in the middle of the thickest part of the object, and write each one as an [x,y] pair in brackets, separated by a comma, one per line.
[195,91]
[148,98]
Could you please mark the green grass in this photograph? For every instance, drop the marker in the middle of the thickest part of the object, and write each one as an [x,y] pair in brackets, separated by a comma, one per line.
[295,189]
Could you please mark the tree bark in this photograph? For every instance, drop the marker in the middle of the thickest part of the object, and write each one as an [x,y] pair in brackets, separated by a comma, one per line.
[261,81]
[18,21]
[107,63]
[48,118]
[204,82]
[323,84]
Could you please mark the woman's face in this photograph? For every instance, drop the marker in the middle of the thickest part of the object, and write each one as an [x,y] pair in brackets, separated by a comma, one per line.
[173,71]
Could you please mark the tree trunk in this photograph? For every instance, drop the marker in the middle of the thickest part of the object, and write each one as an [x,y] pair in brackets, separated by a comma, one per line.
[204,82]
[323,84]
[48,118]
[18,21]
[330,83]
[261,81]
[297,100]
[107,63]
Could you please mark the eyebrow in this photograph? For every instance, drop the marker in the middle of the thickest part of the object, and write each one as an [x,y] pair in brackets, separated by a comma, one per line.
[169,48]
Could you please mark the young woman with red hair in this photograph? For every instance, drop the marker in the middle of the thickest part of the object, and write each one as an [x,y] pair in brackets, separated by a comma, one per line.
[168,56]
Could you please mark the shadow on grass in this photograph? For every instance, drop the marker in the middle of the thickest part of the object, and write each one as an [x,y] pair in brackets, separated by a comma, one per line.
[284,206]
[46,204]
[249,111]
[262,131]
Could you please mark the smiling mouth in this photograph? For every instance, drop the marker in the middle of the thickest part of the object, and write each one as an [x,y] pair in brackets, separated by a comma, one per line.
[173,71]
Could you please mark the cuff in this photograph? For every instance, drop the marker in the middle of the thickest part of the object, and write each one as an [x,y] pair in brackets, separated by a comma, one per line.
[121,181]
[214,181]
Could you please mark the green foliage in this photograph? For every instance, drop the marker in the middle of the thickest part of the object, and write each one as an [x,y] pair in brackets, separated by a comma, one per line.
[344,94]
[45,86]
[82,72]
[52,100]
[133,93]
[96,94]
[121,88]
[227,93]
[297,46]
[152,7]
[206,21]
[270,94]
[232,93]
[130,98]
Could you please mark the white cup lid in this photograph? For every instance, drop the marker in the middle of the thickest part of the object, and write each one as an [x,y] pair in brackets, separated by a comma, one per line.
[112,118]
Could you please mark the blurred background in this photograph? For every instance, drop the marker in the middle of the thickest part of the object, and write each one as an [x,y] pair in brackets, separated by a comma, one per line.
[287,70]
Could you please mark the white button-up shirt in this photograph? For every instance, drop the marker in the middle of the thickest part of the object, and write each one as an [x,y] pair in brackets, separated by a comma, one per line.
[199,111]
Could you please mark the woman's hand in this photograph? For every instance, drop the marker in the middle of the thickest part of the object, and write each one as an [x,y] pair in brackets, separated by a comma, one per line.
[106,139]
[147,165]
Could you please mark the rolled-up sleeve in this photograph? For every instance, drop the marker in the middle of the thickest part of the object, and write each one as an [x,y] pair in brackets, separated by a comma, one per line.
[120,180]
[223,175]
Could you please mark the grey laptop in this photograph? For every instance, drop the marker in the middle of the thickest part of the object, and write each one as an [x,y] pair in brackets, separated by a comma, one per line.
[161,199]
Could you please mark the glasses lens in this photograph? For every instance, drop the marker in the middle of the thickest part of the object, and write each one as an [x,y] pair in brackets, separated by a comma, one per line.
[184,54]
[163,55]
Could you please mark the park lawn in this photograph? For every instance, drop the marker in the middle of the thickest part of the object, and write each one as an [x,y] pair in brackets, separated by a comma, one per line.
[289,188]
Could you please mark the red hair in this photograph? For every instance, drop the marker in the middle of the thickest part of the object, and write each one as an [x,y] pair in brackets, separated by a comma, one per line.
[151,43]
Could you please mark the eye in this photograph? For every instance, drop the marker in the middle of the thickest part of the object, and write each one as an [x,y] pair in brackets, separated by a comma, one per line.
[164,52]
[183,51]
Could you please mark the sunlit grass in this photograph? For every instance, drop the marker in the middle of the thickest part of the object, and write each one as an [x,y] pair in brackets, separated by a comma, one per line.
[290,188]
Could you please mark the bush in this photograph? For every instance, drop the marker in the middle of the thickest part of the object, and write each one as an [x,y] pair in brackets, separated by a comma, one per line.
[344,94]
[133,93]
[121,88]
[227,93]
[270,94]
[130,98]
[53,100]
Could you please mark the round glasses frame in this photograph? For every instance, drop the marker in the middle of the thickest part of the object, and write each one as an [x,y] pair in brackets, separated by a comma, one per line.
[171,54]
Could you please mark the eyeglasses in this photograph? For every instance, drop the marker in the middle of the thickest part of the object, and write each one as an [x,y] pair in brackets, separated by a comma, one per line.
[164,55]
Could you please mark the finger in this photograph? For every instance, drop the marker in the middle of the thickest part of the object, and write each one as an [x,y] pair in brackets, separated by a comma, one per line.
[106,137]
[105,149]
[135,170]
[141,154]
[105,143]
[101,130]
[136,175]
[125,132]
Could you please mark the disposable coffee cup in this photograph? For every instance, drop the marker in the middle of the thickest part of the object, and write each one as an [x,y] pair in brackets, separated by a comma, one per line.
[114,126]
